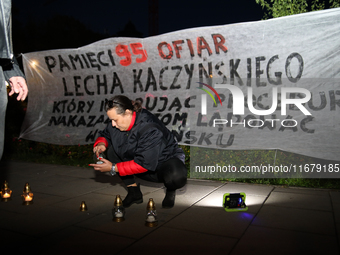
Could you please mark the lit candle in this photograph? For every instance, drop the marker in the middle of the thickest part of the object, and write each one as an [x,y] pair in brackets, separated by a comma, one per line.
[6,195]
[28,198]
[5,192]
[27,195]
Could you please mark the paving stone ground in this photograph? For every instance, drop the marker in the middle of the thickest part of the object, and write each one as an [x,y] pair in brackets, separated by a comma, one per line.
[278,220]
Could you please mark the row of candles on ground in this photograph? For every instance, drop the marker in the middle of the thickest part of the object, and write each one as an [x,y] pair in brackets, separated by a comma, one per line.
[118,211]
[6,194]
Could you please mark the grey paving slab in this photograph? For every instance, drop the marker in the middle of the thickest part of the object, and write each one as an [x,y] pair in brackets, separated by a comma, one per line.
[40,221]
[72,188]
[120,189]
[29,168]
[113,190]
[335,198]
[338,233]
[52,181]
[263,240]
[309,191]
[175,241]
[336,212]
[13,169]
[191,194]
[249,189]
[185,197]
[310,221]
[18,173]
[17,182]
[96,203]
[80,172]
[8,216]
[214,221]
[40,200]
[134,224]
[13,165]
[88,173]
[104,223]
[335,194]
[205,182]
[309,201]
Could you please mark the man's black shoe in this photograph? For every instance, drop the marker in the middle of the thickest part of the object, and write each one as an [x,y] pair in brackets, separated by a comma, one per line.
[134,196]
[169,199]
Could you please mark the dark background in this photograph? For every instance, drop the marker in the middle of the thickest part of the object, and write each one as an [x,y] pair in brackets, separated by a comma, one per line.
[55,24]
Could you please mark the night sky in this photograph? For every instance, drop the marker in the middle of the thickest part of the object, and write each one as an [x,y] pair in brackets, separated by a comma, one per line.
[111,16]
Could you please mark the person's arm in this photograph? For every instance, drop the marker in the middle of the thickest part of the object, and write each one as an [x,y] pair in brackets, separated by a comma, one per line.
[129,168]
[99,146]
[16,79]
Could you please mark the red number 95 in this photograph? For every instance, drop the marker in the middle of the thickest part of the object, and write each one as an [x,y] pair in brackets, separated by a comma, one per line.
[137,49]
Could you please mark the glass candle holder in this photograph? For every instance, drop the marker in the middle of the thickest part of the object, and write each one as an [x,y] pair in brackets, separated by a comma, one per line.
[27,195]
[98,160]
[6,192]
[118,210]
[83,207]
[151,214]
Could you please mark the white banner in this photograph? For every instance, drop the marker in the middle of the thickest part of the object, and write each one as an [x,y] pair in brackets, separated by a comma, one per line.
[289,67]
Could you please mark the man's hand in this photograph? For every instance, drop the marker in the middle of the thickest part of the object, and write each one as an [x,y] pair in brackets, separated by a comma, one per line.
[18,86]
[105,167]
[99,149]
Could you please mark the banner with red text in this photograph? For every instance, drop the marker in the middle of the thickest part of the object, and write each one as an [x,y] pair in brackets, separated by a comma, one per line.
[270,84]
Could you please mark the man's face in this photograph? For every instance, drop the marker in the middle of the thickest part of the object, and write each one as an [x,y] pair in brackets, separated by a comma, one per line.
[120,121]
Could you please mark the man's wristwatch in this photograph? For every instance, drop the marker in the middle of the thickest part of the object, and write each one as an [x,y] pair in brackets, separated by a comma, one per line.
[113,172]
